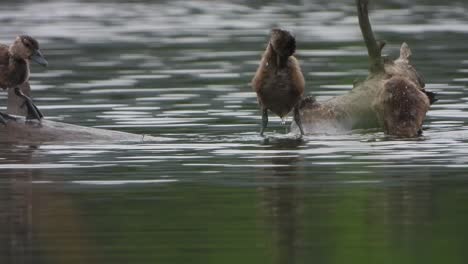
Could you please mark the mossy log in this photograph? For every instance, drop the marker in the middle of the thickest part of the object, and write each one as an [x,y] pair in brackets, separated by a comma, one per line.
[391,97]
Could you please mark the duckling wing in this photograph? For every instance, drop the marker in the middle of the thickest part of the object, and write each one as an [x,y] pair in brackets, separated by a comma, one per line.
[4,55]
[4,61]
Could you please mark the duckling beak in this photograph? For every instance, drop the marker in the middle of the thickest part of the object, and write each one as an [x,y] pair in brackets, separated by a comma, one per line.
[38,58]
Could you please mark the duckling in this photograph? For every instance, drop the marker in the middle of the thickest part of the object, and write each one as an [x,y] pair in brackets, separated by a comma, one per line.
[14,70]
[279,82]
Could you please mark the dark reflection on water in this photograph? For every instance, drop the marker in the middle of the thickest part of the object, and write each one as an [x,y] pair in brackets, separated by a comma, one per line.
[212,190]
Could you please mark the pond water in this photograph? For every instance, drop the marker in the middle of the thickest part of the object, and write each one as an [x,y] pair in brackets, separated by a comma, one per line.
[211,190]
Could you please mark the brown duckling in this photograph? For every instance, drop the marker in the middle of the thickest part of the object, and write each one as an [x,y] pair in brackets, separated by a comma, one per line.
[14,70]
[279,82]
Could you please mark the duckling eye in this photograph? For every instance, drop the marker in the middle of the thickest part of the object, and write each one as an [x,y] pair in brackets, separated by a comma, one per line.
[27,44]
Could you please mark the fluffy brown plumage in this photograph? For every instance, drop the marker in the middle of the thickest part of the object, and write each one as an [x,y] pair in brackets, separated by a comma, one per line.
[279,82]
[404,107]
[14,68]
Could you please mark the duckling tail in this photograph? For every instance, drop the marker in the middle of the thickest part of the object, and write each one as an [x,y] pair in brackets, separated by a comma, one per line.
[432,96]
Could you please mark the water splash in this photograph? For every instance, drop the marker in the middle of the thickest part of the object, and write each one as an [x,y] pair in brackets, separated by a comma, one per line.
[283,121]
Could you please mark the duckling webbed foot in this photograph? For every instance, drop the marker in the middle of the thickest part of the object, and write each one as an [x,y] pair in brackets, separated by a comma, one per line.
[4,117]
[264,121]
[297,119]
[33,111]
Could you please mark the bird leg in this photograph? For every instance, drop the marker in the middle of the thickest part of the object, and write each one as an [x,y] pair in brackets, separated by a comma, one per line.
[33,111]
[297,119]
[264,121]
[4,117]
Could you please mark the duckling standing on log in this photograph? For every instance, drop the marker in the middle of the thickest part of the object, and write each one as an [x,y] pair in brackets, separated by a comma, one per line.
[14,70]
[279,82]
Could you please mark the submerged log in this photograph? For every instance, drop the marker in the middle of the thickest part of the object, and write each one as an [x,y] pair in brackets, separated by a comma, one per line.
[392,97]
[22,131]
[33,131]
